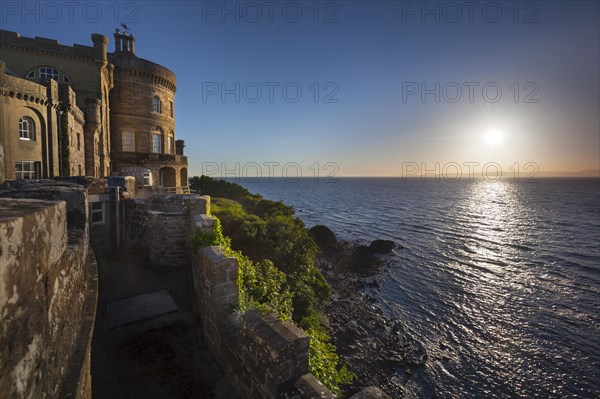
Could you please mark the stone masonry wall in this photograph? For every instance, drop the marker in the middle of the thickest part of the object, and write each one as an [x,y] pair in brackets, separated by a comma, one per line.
[160,225]
[262,357]
[47,296]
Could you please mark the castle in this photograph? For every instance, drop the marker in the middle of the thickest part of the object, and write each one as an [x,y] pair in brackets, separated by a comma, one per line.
[87,154]
[82,111]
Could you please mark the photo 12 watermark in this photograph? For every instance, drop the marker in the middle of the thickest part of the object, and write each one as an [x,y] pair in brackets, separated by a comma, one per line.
[455,171]
[454,12]
[270,92]
[271,12]
[92,12]
[454,92]
[320,172]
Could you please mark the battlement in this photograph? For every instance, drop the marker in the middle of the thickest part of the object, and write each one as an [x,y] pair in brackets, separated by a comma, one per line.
[52,47]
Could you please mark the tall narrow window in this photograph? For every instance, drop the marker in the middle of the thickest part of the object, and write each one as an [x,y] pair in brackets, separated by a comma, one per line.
[171,109]
[128,141]
[147,179]
[78,142]
[156,143]
[156,104]
[97,212]
[172,144]
[27,170]
[26,129]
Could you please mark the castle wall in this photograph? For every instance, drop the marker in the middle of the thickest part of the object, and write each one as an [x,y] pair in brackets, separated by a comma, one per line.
[22,98]
[86,67]
[161,226]
[74,135]
[47,295]
[143,136]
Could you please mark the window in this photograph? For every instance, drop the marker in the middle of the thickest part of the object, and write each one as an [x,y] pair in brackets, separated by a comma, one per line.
[128,142]
[78,142]
[79,170]
[156,104]
[156,143]
[26,129]
[27,170]
[48,73]
[66,79]
[147,179]
[97,212]
[31,75]
[171,110]
[172,144]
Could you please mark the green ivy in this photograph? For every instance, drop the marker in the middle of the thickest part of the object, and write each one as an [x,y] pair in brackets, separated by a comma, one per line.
[323,361]
[279,272]
[261,285]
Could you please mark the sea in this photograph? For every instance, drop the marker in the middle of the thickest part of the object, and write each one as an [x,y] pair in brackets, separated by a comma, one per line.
[498,280]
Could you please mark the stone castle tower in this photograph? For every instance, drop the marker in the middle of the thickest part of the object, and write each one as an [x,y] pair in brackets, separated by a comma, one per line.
[80,110]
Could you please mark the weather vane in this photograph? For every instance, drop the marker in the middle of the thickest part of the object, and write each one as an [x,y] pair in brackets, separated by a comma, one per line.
[125,28]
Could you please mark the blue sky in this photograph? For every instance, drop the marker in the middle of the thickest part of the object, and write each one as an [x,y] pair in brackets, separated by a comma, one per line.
[356,63]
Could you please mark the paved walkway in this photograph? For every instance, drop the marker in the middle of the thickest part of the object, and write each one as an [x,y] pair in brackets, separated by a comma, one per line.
[158,357]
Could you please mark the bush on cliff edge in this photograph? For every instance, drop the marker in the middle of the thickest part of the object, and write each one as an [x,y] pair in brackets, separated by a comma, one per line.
[277,267]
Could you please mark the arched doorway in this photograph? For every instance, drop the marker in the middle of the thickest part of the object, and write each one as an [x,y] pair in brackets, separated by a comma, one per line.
[167,177]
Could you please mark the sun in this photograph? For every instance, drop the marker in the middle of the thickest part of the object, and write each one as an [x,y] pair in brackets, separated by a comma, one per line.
[494,136]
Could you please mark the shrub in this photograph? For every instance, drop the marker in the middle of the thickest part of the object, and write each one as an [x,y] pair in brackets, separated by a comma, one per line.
[277,269]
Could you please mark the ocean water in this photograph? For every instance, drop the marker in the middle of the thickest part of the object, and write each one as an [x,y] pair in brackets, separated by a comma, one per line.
[500,281]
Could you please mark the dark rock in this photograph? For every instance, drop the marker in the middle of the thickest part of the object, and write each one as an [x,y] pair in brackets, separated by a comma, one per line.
[382,246]
[323,236]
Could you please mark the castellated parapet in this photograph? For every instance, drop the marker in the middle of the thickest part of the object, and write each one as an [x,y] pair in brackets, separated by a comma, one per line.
[48,293]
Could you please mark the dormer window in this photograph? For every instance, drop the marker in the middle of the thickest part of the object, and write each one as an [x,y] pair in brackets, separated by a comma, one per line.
[31,75]
[156,104]
[26,129]
[48,73]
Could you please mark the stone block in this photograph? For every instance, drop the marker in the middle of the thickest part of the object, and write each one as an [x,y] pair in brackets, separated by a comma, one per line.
[33,237]
[370,393]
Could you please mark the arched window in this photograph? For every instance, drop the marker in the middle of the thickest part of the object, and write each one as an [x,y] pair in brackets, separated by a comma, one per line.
[48,73]
[156,104]
[172,143]
[26,129]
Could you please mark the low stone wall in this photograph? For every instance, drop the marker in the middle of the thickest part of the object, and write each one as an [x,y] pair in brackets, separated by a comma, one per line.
[262,357]
[162,226]
[169,240]
[47,295]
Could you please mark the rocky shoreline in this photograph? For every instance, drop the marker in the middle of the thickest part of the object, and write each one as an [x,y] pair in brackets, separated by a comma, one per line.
[377,349]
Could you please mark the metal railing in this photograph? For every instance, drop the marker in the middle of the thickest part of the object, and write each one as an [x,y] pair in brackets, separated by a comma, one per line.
[174,190]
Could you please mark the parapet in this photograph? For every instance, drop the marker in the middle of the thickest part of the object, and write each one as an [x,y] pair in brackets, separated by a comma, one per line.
[48,46]
[48,293]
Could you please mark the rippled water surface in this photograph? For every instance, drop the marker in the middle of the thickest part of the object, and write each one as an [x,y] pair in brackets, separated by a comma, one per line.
[499,280]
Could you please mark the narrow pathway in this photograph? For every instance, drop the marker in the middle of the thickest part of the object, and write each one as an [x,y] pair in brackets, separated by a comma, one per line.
[159,357]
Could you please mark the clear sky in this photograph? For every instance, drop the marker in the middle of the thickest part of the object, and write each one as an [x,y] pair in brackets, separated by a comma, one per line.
[384,84]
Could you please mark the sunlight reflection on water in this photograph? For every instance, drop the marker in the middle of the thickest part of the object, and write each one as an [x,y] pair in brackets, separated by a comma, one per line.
[499,280]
